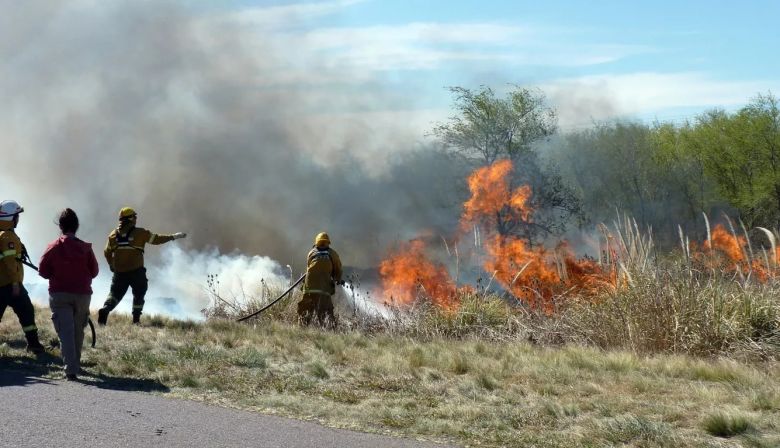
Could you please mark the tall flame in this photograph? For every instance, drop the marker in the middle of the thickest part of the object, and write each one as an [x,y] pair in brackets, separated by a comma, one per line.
[534,276]
[408,274]
[523,271]
[728,252]
[537,276]
[726,243]
[491,193]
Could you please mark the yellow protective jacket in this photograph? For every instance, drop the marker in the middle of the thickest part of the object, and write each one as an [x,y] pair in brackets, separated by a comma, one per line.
[11,249]
[125,247]
[323,270]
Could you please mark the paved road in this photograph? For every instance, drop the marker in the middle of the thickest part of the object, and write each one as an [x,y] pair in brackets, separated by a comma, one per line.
[39,412]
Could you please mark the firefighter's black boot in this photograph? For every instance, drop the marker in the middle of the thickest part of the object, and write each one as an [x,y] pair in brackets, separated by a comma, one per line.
[33,344]
[102,316]
[136,318]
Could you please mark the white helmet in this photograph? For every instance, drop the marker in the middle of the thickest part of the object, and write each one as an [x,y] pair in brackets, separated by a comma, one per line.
[9,209]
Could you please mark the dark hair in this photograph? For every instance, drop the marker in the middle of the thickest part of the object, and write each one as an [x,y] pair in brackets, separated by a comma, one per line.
[69,222]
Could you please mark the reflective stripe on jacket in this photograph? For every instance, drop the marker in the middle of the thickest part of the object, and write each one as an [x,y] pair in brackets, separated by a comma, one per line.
[11,248]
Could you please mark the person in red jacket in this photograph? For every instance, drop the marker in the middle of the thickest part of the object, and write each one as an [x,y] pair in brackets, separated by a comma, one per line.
[70,265]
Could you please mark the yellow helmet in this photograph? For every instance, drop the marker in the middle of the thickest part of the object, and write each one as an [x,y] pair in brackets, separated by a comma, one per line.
[126,212]
[322,239]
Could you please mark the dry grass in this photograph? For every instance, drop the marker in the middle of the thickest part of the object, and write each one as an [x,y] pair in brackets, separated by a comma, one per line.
[673,309]
[497,392]
[675,356]
[669,309]
[670,303]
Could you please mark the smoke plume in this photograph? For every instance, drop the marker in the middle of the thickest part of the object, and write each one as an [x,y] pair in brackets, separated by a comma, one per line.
[194,120]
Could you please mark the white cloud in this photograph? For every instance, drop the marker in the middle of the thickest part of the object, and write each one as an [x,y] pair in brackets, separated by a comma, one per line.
[419,45]
[425,46]
[412,33]
[583,100]
[282,16]
[351,57]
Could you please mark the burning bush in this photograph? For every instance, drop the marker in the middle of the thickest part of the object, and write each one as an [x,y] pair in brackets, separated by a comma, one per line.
[408,273]
[535,276]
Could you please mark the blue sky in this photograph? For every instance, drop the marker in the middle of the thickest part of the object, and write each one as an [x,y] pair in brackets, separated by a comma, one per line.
[660,60]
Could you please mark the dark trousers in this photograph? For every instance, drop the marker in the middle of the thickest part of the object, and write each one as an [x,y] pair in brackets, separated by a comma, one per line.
[120,282]
[319,304]
[21,305]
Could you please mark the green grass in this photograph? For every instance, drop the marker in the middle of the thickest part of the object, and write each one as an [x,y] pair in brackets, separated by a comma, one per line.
[726,425]
[472,389]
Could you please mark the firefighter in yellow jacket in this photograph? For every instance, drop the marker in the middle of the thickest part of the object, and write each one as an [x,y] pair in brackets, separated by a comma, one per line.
[12,291]
[125,256]
[323,273]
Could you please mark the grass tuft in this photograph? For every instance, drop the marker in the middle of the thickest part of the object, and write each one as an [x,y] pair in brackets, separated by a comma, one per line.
[416,358]
[460,364]
[726,425]
[558,410]
[343,396]
[630,429]
[250,358]
[189,380]
[318,370]
[487,382]
[766,400]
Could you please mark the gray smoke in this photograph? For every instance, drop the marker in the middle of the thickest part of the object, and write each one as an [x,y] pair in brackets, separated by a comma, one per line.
[188,119]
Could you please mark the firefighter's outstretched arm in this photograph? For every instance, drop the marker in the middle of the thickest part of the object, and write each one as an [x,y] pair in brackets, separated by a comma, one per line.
[157,239]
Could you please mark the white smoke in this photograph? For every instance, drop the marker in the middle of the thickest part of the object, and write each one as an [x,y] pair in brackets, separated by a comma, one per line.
[179,282]
[196,122]
[181,286]
[357,301]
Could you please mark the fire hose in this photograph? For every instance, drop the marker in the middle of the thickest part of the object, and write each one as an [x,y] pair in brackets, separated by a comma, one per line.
[298,282]
[25,260]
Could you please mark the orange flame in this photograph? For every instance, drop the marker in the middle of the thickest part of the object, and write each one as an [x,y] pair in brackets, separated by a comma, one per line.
[726,243]
[537,276]
[521,270]
[490,194]
[728,252]
[408,274]
[534,276]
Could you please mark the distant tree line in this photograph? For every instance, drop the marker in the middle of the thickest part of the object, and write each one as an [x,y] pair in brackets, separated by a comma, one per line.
[663,175]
